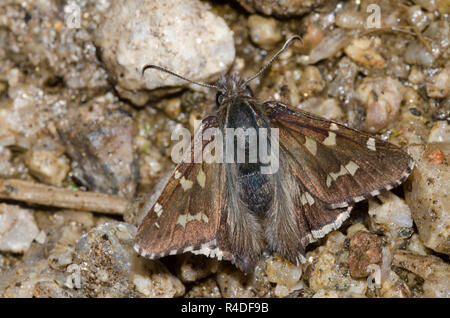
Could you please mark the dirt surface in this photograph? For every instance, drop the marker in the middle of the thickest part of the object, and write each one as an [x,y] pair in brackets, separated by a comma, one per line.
[77,115]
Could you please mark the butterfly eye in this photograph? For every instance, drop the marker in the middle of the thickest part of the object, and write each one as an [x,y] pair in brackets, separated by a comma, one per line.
[219,98]
[248,91]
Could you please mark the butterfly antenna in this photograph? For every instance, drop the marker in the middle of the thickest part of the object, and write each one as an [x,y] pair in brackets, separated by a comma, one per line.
[162,69]
[285,46]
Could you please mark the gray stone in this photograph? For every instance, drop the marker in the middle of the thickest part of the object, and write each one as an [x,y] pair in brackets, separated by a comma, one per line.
[426,194]
[17,228]
[281,8]
[197,44]
[109,266]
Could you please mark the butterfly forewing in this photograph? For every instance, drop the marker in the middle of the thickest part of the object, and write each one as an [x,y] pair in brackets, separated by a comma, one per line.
[336,164]
[187,215]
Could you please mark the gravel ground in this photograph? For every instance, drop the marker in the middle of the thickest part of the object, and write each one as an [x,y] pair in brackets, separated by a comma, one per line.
[76,114]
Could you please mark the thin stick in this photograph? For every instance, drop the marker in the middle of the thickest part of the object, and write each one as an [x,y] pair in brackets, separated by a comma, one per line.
[35,193]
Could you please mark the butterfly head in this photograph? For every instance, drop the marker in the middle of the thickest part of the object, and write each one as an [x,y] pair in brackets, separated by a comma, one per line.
[230,87]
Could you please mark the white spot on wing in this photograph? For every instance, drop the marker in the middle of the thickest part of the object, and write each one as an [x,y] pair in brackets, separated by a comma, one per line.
[352,167]
[342,172]
[186,184]
[330,140]
[371,144]
[201,178]
[303,199]
[158,209]
[311,146]
[309,198]
[184,219]
[329,180]
[333,126]
[177,174]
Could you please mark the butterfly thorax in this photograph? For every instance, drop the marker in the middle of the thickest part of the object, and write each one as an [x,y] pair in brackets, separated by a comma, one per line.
[255,189]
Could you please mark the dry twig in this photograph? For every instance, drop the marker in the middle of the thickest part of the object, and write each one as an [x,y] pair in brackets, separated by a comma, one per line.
[35,193]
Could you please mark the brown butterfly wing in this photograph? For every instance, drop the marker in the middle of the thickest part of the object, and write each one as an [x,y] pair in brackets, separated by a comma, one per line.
[337,164]
[325,167]
[187,217]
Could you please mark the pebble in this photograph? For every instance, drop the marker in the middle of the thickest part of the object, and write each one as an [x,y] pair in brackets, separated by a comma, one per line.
[283,273]
[142,32]
[311,82]
[17,228]
[205,289]
[235,284]
[438,85]
[327,267]
[440,132]
[107,251]
[434,272]
[47,162]
[364,51]
[365,249]
[99,138]
[382,97]
[350,19]
[426,194]
[193,268]
[264,32]
[416,75]
[392,217]
[280,8]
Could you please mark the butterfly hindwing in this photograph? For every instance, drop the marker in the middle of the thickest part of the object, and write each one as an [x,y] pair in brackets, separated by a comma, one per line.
[187,215]
[297,218]
[336,164]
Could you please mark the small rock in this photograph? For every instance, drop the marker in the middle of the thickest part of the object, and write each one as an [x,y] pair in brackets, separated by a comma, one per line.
[418,17]
[264,32]
[99,138]
[195,267]
[434,271]
[323,293]
[382,98]
[332,43]
[392,217]
[350,19]
[327,268]
[311,81]
[394,287]
[281,8]
[440,132]
[197,44]
[364,52]
[17,228]
[416,246]
[417,53]
[284,274]
[205,289]
[235,284]
[344,82]
[426,193]
[438,86]
[47,162]
[111,268]
[365,249]
[416,75]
